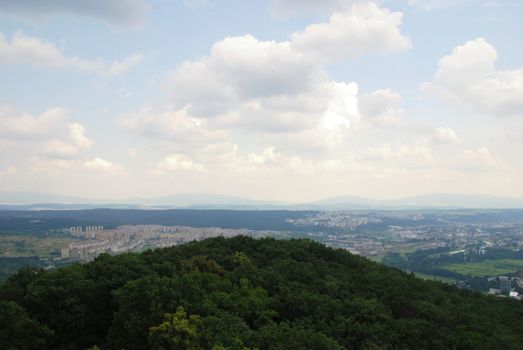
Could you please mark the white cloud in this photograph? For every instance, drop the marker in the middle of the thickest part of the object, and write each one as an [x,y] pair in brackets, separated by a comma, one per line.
[416,155]
[468,76]
[240,69]
[58,149]
[120,67]
[366,28]
[174,126]
[178,162]
[77,134]
[47,138]
[272,160]
[342,112]
[75,142]
[39,53]
[445,135]
[102,165]
[15,123]
[124,12]
[382,108]
[265,93]
[263,87]
[480,159]
[220,153]
[9,171]
[51,165]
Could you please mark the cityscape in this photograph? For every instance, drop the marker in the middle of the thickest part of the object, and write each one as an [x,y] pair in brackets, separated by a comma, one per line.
[479,250]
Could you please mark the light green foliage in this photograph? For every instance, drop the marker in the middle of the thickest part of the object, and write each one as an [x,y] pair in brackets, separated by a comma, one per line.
[487,267]
[177,331]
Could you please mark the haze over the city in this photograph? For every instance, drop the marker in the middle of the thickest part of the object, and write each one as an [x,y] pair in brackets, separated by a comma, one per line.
[280,100]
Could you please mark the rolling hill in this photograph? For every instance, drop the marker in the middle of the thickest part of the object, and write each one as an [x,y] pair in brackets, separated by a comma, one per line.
[242,293]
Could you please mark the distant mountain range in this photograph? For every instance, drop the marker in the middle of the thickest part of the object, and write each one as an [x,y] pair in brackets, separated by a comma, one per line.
[436,200]
[32,201]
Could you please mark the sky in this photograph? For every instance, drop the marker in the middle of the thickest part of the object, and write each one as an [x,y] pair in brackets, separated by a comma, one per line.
[285,100]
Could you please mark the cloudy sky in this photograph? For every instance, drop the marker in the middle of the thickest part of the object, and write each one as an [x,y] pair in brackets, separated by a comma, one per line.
[289,100]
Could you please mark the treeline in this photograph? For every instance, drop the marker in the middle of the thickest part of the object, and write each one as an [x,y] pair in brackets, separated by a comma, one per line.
[36,222]
[242,293]
[12,264]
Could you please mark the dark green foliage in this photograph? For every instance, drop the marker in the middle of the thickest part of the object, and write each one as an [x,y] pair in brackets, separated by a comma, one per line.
[30,222]
[19,331]
[242,293]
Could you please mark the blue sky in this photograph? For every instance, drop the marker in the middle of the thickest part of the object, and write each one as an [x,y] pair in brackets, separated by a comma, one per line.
[282,99]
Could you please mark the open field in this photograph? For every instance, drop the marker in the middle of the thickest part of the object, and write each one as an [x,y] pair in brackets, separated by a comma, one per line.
[435,278]
[487,267]
[20,246]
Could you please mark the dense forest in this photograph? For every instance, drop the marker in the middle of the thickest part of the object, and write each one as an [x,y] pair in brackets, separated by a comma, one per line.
[35,222]
[242,293]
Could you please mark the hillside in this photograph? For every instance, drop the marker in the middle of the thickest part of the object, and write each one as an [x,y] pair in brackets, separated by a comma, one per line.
[242,293]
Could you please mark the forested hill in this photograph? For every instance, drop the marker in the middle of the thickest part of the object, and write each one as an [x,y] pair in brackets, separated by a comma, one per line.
[242,293]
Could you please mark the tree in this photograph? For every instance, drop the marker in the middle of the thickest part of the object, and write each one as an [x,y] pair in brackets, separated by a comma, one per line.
[19,331]
[176,332]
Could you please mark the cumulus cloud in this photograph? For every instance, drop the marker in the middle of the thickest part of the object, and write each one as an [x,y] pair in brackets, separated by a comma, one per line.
[265,87]
[253,87]
[16,124]
[69,148]
[445,135]
[34,51]
[418,154]
[468,76]
[120,67]
[341,113]
[239,69]
[121,12]
[480,159]
[276,95]
[365,28]
[50,140]
[382,108]
[58,149]
[102,165]
[173,125]
[51,164]
[178,162]
[272,160]
[77,135]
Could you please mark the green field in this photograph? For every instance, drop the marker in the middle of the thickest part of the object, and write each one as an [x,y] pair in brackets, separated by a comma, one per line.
[20,246]
[435,278]
[487,267]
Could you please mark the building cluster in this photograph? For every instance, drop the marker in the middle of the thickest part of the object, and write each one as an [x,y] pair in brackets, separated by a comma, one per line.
[372,233]
[335,219]
[96,240]
[505,286]
[89,232]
